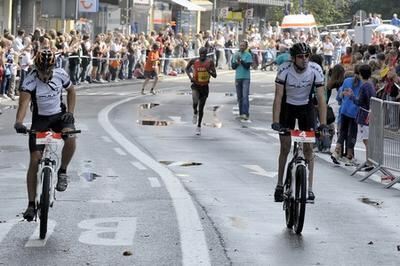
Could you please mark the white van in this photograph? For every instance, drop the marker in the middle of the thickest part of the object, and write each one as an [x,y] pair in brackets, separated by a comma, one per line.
[293,23]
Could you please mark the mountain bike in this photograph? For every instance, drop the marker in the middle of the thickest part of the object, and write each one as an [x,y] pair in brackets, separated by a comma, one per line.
[47,173]
[295,186]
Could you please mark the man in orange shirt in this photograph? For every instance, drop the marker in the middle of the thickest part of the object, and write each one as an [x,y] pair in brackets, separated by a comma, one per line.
[347,57]
[151,68]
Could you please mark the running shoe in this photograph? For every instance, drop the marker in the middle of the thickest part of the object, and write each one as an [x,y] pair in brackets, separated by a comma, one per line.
[30,213]
[198,131]
[311,197]
[152,92]
[62,182]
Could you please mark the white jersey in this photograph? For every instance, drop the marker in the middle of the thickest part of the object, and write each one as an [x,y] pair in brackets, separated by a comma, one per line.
[298,85]
[47,97]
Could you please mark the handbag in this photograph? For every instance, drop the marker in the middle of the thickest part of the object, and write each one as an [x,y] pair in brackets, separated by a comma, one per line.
[330,115]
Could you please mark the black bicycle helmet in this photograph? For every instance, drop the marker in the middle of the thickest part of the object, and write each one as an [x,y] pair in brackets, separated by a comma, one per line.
[44,59]
[300,48]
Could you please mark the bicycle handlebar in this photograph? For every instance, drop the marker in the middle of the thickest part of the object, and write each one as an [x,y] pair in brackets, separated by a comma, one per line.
[76,131]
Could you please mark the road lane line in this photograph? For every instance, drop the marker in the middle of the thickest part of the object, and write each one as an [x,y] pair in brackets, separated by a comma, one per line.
[34,240]
[193,242]
[258,170]
[120,151]
[139,165]
[154,182]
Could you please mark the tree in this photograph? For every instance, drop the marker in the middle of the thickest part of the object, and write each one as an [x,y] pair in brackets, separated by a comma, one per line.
[384,7]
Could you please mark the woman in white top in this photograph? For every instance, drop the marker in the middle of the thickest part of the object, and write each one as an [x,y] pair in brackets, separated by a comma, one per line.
[328,49]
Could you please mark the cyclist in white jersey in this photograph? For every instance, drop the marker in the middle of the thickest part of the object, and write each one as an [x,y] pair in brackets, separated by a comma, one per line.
[43,87]
[296,82]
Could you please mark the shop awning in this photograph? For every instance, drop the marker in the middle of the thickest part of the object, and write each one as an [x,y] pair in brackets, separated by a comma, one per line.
[190,6]
[265,2]
[203,3]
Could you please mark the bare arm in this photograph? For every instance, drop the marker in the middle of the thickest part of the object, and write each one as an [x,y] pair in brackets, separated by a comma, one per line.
[212,70]
[277,103]
[188,68]
[321,105]
[23,104]
[71,99]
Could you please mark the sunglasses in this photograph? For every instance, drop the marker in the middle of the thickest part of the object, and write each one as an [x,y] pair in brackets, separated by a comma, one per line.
[303,56]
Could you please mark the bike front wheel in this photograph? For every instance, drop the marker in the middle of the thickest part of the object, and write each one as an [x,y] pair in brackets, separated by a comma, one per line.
[44,202]
[300,199]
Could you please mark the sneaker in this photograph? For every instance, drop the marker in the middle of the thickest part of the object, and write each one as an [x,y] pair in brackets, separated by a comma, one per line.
[198,131]
[194,119]
[335,157]
[142,92]
[62,182]
[311,197]
[30,213]
[349,162]
[278,195]
[152,92]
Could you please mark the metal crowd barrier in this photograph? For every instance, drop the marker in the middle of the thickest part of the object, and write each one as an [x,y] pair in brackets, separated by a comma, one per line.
[384,139]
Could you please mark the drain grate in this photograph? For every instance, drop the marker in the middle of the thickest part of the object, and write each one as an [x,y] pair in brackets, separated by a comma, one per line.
[153,122]
[144,106]
[180,163]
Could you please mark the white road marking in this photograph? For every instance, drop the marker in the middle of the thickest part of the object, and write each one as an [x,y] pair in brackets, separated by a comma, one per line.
[154,182]
[34,241]
[177,119]
[106,139]
[193,243]
[6,227]
[120,151]
[139,165]
[258,170]
[123,232]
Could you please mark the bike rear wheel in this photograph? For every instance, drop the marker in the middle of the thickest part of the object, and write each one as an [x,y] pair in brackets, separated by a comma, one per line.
[300,198]
[44,201]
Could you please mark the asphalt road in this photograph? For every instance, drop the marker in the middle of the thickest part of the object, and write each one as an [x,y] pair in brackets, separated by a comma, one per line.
[168,197]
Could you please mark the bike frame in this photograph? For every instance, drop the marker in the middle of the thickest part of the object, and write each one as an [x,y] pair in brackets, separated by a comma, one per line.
[49,160]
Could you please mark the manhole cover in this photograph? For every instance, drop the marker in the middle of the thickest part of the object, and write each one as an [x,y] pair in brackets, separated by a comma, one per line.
[153,122]
[180,163]
[371,202]
[148,105]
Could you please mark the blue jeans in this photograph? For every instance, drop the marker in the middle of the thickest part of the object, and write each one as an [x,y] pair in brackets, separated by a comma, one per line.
[242,92]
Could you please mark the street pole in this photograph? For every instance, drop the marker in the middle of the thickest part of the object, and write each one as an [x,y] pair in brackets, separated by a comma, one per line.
[63,14]
[214,17]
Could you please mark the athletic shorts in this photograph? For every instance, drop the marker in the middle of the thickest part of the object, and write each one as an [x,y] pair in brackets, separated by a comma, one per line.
[95,62]
[150,74]
[43,123]
[305,114]
[203,90]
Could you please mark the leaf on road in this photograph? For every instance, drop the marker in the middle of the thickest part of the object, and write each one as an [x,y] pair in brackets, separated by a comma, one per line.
[127,253]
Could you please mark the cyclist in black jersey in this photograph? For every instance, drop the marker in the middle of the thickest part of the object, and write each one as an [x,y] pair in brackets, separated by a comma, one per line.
[295,83]
[43,87]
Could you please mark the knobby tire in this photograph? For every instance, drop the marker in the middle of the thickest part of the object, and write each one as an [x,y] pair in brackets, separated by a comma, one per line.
[44,201]
[300,198]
